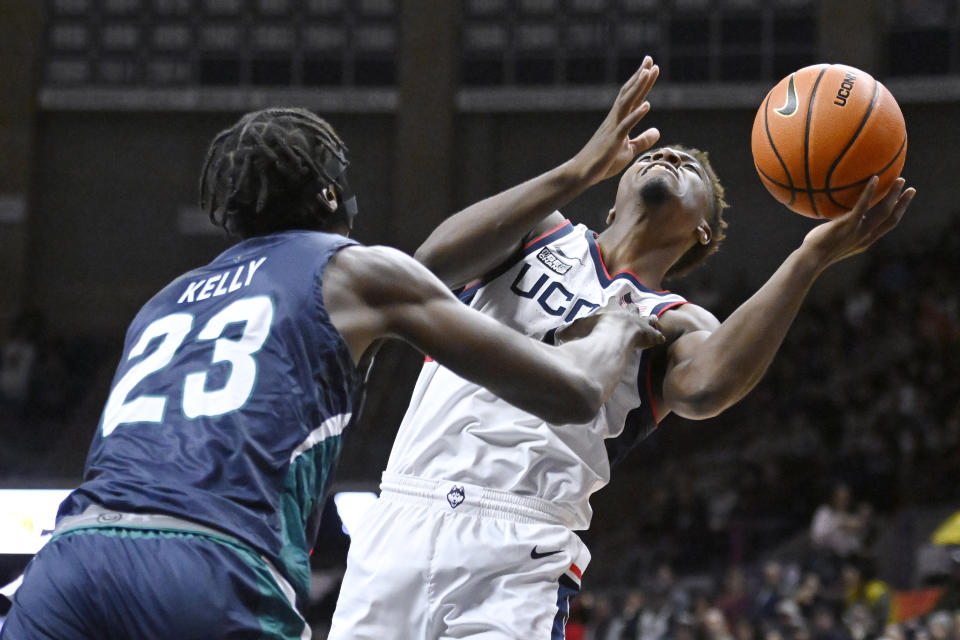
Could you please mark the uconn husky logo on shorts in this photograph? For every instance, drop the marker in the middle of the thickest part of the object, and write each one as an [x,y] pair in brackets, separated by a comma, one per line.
[455,496]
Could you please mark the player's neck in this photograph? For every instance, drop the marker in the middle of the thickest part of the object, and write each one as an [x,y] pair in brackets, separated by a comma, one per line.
[634,252]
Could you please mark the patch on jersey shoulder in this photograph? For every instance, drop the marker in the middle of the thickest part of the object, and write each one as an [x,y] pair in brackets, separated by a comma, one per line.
[552,261]
[456,496]
[643,307]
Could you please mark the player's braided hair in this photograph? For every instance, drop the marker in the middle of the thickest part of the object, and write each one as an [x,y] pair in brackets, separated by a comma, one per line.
[696,254]
[266,173]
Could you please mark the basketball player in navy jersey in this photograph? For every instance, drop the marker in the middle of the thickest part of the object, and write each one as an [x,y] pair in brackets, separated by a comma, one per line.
[208,470]
[504,563]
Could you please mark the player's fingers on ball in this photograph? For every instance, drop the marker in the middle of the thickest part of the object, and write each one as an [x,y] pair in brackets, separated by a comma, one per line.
[896,190]
[907,197]
[887,208]
[863,203]
[900,209]
[893,219]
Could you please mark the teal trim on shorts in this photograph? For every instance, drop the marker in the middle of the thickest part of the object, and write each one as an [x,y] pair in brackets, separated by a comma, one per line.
[277,616]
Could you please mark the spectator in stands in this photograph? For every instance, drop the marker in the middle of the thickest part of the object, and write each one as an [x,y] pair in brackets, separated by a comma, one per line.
[789,621]
[941,626]
[598,616]
[825,625]
[770,592]
[733,600]
[715,626]
[864,591]
[664,589]
[835,532]
[835,528]
[808,594]
[744,630]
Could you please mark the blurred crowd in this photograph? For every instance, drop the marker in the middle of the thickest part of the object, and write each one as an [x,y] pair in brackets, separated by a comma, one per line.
[775,601]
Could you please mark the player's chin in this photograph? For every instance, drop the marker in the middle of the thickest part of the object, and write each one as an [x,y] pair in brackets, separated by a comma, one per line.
[657,189]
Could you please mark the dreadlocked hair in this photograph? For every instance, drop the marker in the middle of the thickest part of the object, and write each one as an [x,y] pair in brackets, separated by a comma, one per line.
[266,173]
[698,253]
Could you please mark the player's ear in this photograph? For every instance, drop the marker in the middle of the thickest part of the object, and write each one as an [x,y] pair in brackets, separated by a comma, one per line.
[328,198]
[611,215]
[704,232]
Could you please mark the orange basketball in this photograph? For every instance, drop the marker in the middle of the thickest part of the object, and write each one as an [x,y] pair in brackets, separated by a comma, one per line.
[821,133]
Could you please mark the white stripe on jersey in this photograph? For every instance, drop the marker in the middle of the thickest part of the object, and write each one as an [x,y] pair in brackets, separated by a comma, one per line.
[455,430]
[331,427]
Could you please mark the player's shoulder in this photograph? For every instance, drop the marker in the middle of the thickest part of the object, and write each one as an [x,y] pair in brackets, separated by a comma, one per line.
[374,260]
[687,318]
[317,243]
[550,224]
[378,273]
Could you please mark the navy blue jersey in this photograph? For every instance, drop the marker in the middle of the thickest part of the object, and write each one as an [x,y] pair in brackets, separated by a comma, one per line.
[229,401]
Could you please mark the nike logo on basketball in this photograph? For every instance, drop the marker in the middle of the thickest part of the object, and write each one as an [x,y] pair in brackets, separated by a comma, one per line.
[790,106]
[536,555]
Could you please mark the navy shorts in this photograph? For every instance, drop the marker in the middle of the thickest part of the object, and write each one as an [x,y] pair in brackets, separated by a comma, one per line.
[113,583]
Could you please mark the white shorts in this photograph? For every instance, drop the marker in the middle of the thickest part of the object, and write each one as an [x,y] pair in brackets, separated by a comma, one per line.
[440,559]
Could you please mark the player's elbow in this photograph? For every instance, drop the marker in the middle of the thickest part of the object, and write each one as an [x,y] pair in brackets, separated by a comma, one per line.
[700,401]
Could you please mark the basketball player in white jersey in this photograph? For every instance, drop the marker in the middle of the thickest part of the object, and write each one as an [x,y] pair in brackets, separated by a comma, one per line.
[473,536]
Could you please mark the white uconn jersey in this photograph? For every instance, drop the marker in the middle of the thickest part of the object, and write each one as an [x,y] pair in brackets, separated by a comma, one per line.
[456,430]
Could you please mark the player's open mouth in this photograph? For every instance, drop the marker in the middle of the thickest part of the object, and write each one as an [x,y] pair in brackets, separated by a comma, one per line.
[663,165]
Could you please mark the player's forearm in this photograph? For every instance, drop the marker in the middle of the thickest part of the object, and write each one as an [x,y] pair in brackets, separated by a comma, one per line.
[733,359]
[473,241]
[603,356]
[566,384]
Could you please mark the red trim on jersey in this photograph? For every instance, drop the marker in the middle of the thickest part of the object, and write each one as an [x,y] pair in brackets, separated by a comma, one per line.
[542,236]
[575,570]
[626,271]
[670,306]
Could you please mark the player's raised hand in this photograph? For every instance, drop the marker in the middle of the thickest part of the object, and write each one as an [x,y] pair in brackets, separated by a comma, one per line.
[863,225]
[611,148]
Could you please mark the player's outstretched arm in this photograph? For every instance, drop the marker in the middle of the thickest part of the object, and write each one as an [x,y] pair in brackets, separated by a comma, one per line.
[376,292]
[473,241]
[711,366]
